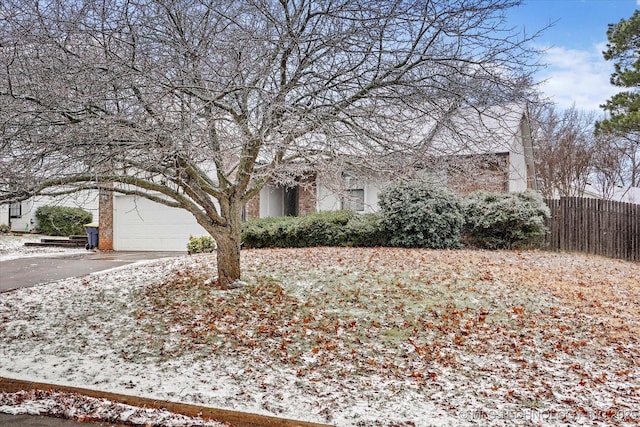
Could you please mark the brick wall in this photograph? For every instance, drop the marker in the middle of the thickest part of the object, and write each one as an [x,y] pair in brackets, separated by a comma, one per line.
[489,173]
[307,195]
[105,208]
[489,180]
[252,208]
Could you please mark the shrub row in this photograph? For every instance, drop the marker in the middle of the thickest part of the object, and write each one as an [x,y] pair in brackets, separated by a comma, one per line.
[414,214]
[337,228]
[62,220]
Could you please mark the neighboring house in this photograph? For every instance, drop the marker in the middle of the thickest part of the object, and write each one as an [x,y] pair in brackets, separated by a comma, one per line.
[491,150]
[617,194]
[21,216]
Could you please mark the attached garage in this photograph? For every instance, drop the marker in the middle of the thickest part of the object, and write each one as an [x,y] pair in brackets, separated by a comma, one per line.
[140,224]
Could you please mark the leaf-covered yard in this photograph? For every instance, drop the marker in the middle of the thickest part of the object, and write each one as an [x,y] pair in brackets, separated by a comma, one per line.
[349,336]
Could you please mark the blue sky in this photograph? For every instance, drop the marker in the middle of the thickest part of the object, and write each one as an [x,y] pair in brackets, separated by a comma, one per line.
[575,70]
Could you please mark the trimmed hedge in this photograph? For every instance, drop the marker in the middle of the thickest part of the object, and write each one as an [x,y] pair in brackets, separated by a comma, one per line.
[365,230]
[505,221]
[417,214]
[62,220]
[337,228]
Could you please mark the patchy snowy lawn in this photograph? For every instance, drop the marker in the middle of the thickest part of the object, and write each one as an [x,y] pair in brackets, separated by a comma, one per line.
[352,337]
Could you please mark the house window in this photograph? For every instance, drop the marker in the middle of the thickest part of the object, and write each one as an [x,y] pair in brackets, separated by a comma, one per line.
[15,210]
[354,194]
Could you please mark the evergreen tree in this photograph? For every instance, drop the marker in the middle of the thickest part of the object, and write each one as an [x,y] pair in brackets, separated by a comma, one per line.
[624,50]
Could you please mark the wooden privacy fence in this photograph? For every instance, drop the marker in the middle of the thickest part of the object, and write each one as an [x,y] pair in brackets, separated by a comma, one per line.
[594,226]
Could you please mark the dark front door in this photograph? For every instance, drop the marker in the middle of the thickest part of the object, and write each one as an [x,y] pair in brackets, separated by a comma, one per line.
[291,201]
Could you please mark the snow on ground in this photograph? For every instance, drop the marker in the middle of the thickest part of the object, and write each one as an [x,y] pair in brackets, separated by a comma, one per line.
[12,247]
[351,337]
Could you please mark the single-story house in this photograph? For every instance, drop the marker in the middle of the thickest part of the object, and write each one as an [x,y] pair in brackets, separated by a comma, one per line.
[489,149]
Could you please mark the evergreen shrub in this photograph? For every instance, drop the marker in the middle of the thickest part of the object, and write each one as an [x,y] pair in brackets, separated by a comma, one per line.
[202,244]
[336,228]
[504,221]
[365,230]
[416,213]
[321,229]
[62,220]
[266,232]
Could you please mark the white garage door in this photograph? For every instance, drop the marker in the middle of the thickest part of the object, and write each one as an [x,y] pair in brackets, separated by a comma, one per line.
[143,225]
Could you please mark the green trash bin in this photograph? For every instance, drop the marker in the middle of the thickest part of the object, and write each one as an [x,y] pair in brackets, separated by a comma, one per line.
[92,235]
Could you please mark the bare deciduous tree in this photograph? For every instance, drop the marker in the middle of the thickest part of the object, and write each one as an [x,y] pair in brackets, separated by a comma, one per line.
[564,144]
[607,168]
[569,155]
[629,149]
[616,163]
[198,103]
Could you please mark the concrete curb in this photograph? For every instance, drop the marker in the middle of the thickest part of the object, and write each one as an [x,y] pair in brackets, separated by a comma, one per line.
[235,418]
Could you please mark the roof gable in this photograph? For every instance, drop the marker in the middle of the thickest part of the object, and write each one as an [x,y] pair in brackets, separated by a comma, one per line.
[473,131]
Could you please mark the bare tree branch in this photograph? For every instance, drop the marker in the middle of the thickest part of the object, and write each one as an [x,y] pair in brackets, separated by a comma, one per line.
[205,101]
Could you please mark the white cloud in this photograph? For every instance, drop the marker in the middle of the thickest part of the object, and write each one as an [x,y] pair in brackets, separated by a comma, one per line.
[577,77]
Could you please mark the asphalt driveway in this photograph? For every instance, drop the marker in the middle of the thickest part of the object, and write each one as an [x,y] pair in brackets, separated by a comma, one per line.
[25,272]
[37,421]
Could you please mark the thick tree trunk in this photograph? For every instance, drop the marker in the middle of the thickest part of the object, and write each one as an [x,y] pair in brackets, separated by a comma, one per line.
[228,249]
[228,252]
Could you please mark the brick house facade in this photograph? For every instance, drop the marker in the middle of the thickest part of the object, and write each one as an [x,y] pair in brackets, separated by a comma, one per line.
[488,150]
